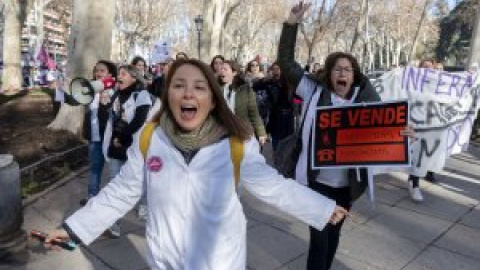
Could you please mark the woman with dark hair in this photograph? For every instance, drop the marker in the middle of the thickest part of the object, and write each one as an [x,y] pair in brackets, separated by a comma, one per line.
[142,67]
[196,220]
[241,98]
[279,102]
[95,121]
[253,72]
[181,55]
[140,63]
[342,83]
[216,64]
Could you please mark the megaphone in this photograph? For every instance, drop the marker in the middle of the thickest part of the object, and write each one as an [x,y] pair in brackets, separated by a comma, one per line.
[83,91]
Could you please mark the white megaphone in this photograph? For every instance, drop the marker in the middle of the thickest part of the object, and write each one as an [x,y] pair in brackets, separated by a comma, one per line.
[83,91]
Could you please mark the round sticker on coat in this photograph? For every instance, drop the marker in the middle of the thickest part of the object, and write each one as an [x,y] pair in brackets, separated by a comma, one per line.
[154,164]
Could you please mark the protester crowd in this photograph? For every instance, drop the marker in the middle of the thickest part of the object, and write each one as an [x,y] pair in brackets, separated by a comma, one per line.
[184,175]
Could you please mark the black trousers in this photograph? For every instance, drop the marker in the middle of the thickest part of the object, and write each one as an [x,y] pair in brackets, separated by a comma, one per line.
[324,243]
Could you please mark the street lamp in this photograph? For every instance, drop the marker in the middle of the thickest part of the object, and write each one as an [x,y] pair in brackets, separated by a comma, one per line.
[199,26]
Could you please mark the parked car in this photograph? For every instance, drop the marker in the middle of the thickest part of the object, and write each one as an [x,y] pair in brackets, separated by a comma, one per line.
[374,75]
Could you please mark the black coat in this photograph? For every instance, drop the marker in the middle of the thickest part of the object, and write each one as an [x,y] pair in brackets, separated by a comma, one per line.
[157,87]
[102,114]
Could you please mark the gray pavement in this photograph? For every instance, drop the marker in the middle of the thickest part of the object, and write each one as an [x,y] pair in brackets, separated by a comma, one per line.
[443,232]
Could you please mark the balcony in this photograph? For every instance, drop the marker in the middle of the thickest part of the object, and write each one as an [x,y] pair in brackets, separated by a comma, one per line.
[54,27]
[58,50]
[56,39]
[51,14]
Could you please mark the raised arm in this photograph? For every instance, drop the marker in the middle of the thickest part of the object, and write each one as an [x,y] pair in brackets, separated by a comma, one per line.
[286,49]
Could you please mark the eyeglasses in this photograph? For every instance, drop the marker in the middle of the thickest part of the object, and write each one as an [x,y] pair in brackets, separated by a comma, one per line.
[346,70]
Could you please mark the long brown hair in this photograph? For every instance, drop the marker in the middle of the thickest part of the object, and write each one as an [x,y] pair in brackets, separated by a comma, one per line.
[234,125]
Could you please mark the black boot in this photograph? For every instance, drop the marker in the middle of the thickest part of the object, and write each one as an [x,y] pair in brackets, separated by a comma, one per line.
[430,177]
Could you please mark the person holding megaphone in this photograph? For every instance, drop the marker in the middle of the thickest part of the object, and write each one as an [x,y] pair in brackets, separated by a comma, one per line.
[95,120]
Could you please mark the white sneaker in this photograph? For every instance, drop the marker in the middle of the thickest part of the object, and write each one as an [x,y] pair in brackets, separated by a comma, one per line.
[114,230]
[415,192]
[142,212]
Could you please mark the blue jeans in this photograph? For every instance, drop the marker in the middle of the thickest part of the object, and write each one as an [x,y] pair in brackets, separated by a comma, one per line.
[96,161]
[114,167]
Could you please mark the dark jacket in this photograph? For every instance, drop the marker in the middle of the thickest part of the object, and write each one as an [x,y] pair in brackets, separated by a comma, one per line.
[294,73]
[102,115]
[280,122]
[157,87]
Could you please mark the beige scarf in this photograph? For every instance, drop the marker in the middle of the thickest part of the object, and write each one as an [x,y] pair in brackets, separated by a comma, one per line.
[210,132]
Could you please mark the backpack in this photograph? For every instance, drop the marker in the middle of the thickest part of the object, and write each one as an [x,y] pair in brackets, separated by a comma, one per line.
[236,148]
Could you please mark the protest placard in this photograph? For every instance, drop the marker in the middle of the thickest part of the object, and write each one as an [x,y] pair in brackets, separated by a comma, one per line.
[361,135]
[161,51]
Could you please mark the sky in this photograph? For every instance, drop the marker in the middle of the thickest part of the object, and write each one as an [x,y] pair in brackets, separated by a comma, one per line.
[453,3]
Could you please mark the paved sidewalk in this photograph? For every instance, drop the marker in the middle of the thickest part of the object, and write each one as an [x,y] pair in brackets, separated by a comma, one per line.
[441,233]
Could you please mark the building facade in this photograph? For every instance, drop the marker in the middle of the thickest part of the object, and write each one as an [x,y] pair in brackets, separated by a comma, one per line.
[52,26]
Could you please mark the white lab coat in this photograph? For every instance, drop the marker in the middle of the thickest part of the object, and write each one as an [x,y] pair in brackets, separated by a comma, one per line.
[142,98]
[195,219]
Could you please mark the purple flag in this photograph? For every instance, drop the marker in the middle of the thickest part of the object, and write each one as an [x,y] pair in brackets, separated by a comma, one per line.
[42,55]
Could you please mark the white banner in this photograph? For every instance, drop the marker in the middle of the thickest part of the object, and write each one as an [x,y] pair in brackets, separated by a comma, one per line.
[443,107]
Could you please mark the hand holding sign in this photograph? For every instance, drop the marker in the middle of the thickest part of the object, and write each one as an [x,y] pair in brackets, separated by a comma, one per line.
[362,135]
[339,213]
[409,132]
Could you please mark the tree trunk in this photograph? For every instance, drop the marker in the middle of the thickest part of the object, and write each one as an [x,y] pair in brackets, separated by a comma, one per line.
[215,19]
[474,56]
[381,51]
[398,52]
[310,53]
[417,33]
[387,52]
[90,41]
[367,46]
[360,23]
[15,14]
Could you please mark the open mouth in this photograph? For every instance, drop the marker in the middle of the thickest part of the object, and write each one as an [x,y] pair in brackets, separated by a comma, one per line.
[188,112]
[342,83]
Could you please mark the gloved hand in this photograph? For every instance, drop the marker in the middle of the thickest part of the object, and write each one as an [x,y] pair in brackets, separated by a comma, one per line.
[108,83]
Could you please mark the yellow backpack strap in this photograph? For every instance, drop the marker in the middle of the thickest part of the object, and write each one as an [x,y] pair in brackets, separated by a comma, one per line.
[146,136]
[236,154]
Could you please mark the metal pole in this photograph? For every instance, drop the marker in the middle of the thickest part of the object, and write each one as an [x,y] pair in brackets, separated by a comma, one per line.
[199,36]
